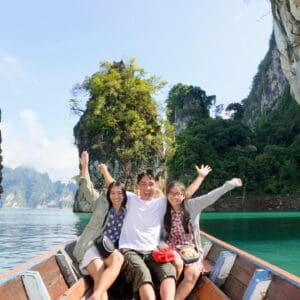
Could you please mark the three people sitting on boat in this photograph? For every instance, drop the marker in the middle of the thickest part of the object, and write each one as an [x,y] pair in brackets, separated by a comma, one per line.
[141,233]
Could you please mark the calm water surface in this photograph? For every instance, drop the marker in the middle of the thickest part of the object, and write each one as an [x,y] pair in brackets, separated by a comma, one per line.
[274,237]
[27,233]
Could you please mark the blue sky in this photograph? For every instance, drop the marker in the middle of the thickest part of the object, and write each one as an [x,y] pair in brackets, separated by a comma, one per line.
[48,46]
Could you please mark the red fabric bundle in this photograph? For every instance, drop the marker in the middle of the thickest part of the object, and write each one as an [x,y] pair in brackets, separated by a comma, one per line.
[163,255]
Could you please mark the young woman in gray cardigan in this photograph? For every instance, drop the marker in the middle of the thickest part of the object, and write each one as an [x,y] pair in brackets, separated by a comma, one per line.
[182,227]
[108,215]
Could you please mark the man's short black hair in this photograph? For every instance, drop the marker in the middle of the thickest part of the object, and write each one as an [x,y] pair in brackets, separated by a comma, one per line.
[149,173]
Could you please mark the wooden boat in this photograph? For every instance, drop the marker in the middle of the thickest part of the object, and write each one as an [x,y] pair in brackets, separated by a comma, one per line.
[230,273]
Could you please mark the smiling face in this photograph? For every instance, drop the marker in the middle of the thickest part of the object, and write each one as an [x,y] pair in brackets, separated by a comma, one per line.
[116,196]
[147,187]
[176,195]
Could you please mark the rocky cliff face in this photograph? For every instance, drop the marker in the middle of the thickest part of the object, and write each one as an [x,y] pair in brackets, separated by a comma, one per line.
[190,108]
[1,189]
[268,85]
[25,187]
[286,19]
[97,148]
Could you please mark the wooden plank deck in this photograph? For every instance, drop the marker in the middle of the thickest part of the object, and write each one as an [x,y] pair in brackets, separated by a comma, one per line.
[55,277]
[52,277]
[78,290]
[283,286]
[13,289]
[206,289]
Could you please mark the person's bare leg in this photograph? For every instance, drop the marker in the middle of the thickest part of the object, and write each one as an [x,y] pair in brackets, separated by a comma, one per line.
[103,280]
[96,269]
[178,264]
[167,289]
[191,275]
[146,292]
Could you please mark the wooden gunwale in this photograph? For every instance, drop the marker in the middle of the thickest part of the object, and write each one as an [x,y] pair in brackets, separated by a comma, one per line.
[83,284]
[258,261]
[33,262]
[29,265]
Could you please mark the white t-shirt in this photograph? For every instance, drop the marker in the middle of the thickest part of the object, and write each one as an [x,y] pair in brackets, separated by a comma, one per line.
[142,224]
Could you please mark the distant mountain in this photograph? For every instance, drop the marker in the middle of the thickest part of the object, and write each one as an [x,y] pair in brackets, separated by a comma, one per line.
[1,190]
[25,187]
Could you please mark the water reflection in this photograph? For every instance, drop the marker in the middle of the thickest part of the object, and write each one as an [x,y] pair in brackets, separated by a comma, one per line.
[27,233]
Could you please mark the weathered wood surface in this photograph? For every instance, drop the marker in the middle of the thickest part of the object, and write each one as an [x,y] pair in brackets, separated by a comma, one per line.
[206,289]
[281,289]
[13,290]
[52,277]
[78,290]
[238,279]
[284,285]
[214,252]
[55,274]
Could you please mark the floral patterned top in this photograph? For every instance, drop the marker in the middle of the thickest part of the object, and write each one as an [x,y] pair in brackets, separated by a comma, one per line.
[177,234]
[114,225]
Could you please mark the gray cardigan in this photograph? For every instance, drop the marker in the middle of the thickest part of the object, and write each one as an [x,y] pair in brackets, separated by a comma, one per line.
[196,205]
[96,225]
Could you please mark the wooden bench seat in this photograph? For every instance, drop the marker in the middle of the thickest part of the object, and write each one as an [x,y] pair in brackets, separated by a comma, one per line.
[78,290]
[206,289]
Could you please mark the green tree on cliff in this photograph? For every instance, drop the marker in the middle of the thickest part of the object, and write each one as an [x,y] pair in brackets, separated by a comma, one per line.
[120,124]
[187,100]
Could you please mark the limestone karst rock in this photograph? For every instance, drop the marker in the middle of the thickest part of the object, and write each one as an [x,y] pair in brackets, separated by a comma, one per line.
[286,19]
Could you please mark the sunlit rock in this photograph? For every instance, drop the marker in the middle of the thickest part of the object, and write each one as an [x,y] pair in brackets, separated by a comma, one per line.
[286,16]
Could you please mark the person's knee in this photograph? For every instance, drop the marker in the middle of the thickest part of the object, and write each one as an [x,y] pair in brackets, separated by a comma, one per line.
[95,267]
[167,288]
[118,257]
[115,259]
[191,274]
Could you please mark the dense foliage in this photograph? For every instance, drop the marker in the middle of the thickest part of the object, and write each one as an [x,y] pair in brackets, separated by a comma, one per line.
[188,101]
[277,138]
[120,123]
[267,158]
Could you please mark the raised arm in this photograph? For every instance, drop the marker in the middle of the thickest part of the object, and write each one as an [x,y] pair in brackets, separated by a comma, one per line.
[84,162]
[108,179]
[202,172]
[199,203]
[85,183]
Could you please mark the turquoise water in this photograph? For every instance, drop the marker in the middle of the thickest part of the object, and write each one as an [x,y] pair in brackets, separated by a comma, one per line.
[274,237]
[27,233]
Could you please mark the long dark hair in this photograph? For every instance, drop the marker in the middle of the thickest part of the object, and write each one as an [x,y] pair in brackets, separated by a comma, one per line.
[168,217]
[110,187]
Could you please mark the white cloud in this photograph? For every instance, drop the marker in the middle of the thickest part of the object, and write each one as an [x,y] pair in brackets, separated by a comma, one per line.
[26,143]
[12,71]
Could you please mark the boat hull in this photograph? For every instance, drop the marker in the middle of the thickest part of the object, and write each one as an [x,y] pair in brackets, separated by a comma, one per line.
[229,273]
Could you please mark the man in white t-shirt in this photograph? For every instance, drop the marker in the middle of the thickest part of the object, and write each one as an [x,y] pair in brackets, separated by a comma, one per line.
[140,235]
[141,232]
